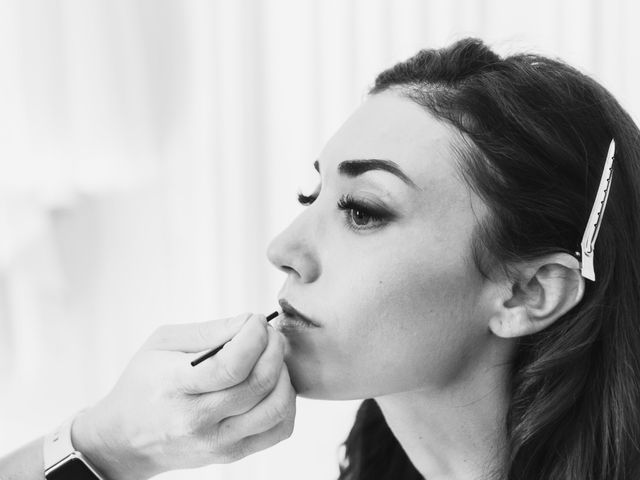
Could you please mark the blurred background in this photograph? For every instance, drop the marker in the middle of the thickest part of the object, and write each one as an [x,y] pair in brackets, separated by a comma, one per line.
[150,149]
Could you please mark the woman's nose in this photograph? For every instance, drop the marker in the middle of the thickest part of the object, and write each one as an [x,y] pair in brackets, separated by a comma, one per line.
[293,250]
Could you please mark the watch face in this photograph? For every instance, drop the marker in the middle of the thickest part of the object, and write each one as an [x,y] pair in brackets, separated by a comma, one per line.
[72,469]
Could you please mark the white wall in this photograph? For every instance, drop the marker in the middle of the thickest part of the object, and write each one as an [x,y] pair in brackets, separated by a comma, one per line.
[150,149]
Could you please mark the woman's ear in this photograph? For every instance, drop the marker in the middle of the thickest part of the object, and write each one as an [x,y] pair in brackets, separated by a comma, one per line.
[547,289]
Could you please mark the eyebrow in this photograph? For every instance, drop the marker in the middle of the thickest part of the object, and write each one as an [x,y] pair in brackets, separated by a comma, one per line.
[353,168]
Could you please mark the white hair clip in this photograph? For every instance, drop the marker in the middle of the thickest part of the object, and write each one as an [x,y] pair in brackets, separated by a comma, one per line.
[595,219]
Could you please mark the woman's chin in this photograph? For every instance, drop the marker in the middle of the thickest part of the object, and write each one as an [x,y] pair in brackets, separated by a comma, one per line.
[310,384]
[314,380]
[304,383]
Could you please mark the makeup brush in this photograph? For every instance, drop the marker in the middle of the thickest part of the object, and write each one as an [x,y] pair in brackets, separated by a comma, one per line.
[212,352]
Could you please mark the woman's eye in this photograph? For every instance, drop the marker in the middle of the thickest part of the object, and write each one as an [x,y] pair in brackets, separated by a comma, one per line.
[360,216]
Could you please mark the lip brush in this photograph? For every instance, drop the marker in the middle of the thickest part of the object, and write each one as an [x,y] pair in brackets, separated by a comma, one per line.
[212,352]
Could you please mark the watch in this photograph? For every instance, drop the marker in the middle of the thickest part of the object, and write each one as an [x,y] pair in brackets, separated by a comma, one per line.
[62,461]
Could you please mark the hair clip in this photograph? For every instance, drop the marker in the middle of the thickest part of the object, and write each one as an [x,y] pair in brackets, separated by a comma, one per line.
[595,219]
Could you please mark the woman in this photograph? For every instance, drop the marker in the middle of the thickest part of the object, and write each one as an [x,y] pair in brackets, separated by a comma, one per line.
[440,264]
[437,273]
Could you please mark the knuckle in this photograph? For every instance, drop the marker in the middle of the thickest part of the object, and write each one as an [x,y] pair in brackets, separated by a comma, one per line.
[279,410]
[191,427]
[213,446]
[226,457]
[262,380]
[219,443]
[235,452]
[217,438]
[197,421]
[230,458]
[286,431]
[231,373]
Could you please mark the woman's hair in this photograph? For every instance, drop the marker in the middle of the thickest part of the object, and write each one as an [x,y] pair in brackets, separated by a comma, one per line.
[533,139]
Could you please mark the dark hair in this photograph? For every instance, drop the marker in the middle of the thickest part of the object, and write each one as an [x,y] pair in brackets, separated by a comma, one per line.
[534,135]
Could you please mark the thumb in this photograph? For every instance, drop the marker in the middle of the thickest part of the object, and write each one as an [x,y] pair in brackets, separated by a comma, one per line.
[195,337]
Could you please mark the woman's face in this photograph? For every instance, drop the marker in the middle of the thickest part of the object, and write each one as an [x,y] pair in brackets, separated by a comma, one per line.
[390,281]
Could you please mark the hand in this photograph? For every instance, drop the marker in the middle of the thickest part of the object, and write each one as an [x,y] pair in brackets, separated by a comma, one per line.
[164,414]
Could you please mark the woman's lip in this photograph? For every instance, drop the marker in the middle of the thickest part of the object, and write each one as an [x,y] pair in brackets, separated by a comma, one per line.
[292,313]
[287,322]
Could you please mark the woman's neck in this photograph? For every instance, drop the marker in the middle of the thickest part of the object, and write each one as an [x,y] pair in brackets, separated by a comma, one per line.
[457,433]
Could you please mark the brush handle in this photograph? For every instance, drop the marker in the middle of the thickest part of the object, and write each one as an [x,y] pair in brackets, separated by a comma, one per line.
[212,352]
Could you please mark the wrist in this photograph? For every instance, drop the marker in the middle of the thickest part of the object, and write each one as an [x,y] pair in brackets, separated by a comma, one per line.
[104,445]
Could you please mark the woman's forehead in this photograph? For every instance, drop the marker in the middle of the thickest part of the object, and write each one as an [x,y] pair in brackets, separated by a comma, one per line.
[391,127]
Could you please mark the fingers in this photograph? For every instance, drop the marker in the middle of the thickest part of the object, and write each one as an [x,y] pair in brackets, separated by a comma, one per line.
[260,383]
[278,407]
[231,365]
[196,337]
[261,441]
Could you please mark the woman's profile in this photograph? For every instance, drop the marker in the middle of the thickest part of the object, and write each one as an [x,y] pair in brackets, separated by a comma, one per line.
[440,262]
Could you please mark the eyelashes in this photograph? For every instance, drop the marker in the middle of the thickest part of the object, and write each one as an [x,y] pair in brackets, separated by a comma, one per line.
[359,215]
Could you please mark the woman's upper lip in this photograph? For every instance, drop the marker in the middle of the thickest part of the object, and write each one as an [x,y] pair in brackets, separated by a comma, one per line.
[288,309]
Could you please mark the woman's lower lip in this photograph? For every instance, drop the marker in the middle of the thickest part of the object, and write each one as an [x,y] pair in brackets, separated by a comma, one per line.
[291,322]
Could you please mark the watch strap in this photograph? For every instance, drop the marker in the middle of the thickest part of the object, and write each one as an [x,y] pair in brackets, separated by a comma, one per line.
[58,447]
[57,444]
